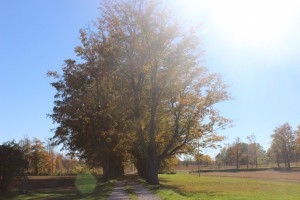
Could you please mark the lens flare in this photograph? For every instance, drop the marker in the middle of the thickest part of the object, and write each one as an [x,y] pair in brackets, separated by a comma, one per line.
[85,183]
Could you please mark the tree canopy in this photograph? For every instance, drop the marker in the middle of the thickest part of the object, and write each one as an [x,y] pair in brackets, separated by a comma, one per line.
[139,89]
[283,144]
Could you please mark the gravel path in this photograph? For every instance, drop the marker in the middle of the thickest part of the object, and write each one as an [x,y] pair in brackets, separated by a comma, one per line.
[144,194]
[118,192]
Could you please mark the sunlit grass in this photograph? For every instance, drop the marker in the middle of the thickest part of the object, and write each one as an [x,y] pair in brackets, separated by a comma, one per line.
[85,183]
[184,186]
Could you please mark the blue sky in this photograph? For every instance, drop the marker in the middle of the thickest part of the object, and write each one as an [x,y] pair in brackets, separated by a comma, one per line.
[261,67]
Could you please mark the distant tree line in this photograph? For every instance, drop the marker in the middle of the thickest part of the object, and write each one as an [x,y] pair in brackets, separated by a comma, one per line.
[43,158]
[240,153]
[36,157]
[284,149]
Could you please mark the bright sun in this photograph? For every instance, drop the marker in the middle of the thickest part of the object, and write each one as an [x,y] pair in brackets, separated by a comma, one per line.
[258,23]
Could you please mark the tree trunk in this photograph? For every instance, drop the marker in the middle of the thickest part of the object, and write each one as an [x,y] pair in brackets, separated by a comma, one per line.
[112,167]
[36,169]
[256,164]
[147,161]
[288,161]
[141,167]
[148,167]
[237,159]
[153,163]
[248,161]
[153,167]
[5,181]
[277,159]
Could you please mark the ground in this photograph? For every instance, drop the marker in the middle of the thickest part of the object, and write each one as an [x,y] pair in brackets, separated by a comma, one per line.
[260,175]
[238,185]
[265,185]
[82,186]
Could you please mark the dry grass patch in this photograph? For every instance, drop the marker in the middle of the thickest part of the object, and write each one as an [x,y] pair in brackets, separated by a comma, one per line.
[185,186]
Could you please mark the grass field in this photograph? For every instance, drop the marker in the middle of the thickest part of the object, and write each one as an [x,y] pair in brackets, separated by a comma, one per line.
[269,185]
[186,186]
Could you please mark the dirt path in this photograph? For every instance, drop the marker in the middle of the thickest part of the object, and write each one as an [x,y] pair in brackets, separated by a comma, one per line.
[119,192]
[144,194]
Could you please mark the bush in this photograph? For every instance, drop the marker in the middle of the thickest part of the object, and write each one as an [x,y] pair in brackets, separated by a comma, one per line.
[172,172]
[12,164]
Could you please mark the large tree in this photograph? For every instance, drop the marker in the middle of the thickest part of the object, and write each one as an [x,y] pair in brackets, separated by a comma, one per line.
[141,82]
[237,153]
[40,158]
[89,109]
[172,96]
[283,143]
[252,150]
[297,148]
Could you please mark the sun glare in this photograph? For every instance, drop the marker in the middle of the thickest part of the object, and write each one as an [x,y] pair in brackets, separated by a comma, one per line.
[258,23]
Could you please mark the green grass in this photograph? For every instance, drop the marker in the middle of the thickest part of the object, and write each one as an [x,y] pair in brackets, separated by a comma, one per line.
[86,183]
[87,188]
[130,191]
[179,186]
[185,186]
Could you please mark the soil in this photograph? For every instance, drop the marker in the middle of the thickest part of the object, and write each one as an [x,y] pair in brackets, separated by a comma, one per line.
[260,175]
[49,183]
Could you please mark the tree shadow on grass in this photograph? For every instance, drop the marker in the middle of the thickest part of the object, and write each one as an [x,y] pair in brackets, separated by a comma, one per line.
[102,191]
[53,188]
[179,191]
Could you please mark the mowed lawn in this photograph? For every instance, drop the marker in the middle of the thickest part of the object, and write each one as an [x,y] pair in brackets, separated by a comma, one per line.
[178,186]
[186,186]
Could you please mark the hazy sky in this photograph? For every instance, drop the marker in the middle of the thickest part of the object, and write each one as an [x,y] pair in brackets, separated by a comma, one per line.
[253,44]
